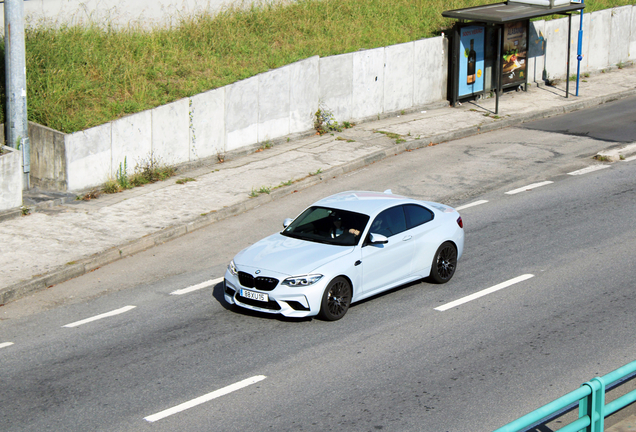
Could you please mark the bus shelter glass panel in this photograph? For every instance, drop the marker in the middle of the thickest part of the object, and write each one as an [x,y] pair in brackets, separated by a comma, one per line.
[515,53]
[471,60]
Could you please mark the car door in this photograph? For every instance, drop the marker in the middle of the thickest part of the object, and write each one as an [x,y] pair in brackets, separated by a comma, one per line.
[385,265]
[420,222]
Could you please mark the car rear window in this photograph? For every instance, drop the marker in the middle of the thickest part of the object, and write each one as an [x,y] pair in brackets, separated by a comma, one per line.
[417,215]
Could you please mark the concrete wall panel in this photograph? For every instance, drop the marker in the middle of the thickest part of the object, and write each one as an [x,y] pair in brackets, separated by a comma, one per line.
[241,114]
[10,179]
[48,158]
[536,51]
[430,70]
[304,94]
[620,35]
[89,157]
[171,132]
[336,85]
[556,35]
[273,104]
[632,36]
[207,124]
[131,140]
[398,77]
[574,40]
[368,83]
[600,29]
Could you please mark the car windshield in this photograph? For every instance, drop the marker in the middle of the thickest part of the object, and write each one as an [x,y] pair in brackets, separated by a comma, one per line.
[326,225]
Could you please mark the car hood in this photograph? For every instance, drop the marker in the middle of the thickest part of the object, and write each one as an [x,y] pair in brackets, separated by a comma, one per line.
[289,256]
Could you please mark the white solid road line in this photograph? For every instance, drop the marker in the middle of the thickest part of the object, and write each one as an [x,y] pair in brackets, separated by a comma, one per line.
[98,317]
[589,169]
[5,344]
[205,398]
[473,204]
[483,292]
[629,159]
[529,187]
[211,282]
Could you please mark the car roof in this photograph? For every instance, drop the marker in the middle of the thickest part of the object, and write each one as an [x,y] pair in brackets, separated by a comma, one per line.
[365,202]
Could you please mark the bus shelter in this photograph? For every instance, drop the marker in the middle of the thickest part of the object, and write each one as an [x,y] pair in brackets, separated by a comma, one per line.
[489,46]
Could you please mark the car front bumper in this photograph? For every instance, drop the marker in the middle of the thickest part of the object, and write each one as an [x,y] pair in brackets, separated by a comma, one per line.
[295,302]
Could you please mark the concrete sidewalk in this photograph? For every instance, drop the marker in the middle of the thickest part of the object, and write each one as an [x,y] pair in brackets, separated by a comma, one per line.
[63,238]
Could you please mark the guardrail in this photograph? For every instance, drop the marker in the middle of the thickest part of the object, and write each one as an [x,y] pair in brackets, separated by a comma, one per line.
[590,398]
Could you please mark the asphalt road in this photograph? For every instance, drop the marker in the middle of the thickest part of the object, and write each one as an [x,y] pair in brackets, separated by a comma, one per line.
[394,362]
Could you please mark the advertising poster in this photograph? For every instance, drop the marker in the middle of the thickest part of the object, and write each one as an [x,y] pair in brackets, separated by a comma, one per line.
[515,52]
[471,60]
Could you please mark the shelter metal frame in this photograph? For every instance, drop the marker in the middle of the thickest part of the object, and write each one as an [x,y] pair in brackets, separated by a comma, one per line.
[498,15]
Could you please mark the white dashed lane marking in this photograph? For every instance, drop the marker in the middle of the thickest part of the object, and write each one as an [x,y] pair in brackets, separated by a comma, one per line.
[98,317]
[529,187]
[197,287]
[205,398]
[473,204]
[589,169]
[483,292]
[5,344]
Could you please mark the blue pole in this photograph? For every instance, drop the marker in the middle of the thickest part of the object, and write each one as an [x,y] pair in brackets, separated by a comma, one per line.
[579,57]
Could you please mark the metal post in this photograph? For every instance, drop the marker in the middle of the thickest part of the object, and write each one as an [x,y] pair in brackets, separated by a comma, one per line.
[593,406]
[17,126]
[567,78]
[579,49]
[498,70]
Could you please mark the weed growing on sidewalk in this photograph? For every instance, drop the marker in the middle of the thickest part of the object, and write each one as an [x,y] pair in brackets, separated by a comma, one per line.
[325,122]
[185,180]
[94,193]
[122,175]
[148,170]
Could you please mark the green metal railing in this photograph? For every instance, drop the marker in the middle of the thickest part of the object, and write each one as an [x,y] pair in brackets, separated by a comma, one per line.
[590,398]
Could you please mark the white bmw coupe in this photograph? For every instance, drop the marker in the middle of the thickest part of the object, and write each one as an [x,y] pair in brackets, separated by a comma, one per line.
[345,248]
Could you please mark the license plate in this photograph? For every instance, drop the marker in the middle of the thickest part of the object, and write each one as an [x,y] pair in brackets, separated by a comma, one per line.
[254,295]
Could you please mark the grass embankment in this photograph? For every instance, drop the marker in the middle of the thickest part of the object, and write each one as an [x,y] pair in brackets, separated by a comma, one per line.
[79,77]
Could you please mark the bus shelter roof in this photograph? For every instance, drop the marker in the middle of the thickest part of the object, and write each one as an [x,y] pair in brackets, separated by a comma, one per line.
[500,13]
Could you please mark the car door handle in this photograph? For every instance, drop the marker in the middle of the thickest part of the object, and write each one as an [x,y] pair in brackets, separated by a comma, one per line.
[357,263]
[407,238]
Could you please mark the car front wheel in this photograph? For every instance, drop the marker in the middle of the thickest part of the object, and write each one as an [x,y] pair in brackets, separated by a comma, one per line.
[335,300]
[444,263]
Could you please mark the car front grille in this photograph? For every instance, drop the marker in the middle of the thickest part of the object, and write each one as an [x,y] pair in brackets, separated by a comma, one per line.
[260,283]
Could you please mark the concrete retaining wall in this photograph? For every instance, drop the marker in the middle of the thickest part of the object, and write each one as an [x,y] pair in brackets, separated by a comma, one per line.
[354,87]
[11,176]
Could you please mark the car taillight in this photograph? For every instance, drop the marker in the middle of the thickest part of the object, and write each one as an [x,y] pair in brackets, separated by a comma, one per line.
[460,222]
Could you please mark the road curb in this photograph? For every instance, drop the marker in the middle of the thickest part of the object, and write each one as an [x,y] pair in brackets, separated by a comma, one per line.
[74,269]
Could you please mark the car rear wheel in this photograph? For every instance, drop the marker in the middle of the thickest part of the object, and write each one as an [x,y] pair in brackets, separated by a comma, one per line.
[336,299]
[444,263]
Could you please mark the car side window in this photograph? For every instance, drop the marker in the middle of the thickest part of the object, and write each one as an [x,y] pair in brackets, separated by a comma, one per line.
[417,215]
[390,222]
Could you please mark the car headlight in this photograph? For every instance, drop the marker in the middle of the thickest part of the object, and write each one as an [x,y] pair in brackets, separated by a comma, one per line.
[232,268]
[301,281]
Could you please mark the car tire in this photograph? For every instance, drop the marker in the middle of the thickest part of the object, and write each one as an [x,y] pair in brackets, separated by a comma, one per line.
[336,299]
[444,263]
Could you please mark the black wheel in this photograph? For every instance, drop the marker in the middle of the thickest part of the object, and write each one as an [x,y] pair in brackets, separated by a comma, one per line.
[335,300]
[444,263]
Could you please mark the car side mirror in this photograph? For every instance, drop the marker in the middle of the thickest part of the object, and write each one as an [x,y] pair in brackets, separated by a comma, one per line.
[286,222]
[378,239]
